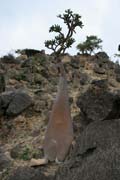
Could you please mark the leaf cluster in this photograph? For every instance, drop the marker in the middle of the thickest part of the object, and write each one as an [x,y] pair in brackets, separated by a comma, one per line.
[63,41]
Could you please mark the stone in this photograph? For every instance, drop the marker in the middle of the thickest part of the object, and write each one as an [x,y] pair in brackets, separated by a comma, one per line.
[13,103]
[102,83]
[84,79]
[102,55]
[118,77]
[6,98]
[2,83]
[117,73]
[96,154]
[99,69]
[18,104]
[5,162]
[98,103]
[75,63]
[16,151]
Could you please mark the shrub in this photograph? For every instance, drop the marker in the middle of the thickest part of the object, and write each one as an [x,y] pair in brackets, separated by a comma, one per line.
[89,45]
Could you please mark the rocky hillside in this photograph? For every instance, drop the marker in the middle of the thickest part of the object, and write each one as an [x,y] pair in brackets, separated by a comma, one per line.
[28,87]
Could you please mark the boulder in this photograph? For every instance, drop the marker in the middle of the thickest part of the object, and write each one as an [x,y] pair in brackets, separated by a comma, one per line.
[13,103]
[98,103]
[6,98]
[18,104]
[96,154]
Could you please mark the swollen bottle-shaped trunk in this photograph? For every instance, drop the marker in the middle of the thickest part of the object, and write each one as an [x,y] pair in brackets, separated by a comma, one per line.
[59,134]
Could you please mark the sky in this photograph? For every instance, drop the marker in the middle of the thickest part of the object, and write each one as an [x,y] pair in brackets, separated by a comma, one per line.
[25,23]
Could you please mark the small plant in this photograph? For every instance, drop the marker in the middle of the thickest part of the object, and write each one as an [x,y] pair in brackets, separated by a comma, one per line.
[28,52]
[92,43]
[20,76]
[62,41]
[25,155]
[8,58]
[41,60]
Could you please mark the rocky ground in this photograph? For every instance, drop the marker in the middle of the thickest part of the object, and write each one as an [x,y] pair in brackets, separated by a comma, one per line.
[26,97]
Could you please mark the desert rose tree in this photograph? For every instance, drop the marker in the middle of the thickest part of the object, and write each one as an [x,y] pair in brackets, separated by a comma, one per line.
[63,41]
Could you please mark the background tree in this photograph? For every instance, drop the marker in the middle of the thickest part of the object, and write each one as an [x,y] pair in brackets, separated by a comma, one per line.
[62,41]
[118,54]
[89,45]
[119,47]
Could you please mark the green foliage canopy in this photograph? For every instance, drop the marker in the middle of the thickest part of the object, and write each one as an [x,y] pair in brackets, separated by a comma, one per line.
[62,41]
[89,45]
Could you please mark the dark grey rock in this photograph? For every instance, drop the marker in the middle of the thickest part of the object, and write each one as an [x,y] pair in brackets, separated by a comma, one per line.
[2,83]
[75,63]
[117,69]
[84,79]
[5,162]
[117,73]
[19,103]
[6,98]
[118,77]
[102,83]
[99,69]
[28,173]
[13,103]
[45,73]
[96,154]
[99,104]
[16,151]
[102,55]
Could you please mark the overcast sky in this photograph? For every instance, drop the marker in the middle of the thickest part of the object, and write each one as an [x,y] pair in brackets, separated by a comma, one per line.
[25,23]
